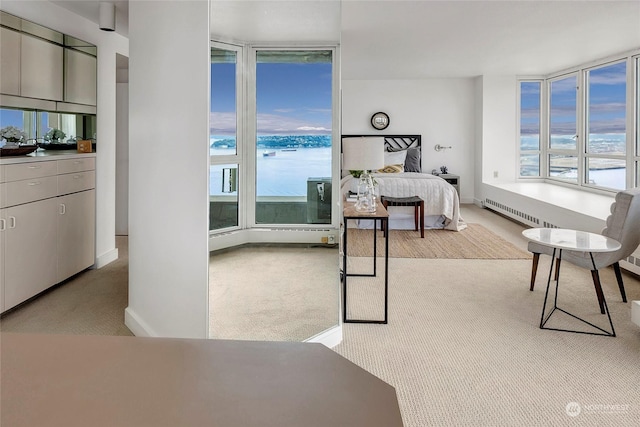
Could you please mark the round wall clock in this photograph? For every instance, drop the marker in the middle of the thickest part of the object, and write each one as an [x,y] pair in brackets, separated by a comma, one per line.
[380,120]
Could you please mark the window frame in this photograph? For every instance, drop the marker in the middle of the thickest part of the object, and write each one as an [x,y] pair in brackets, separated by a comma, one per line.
[541,131]
[632,156]
[585,130]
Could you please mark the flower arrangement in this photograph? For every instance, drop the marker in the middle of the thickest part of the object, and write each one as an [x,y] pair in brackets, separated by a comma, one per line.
[12,134]
[54,135]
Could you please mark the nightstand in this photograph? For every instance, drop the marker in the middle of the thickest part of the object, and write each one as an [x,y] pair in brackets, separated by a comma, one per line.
[452,179]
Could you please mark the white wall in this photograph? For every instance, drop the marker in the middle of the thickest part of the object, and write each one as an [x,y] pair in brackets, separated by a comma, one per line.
[109,44]
[168,175]
[499,108]
[441,110]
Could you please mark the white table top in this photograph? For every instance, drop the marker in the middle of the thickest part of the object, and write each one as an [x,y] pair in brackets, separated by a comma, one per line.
[574,240]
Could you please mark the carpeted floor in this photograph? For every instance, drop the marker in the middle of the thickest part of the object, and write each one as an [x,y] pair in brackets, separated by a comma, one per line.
[463,346]
[474,242]
[273,292]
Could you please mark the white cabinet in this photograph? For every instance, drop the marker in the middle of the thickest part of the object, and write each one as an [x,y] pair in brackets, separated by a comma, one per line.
[41,69]
[30,258]
[80,72]
[9,62]
[47,225]
[76,228]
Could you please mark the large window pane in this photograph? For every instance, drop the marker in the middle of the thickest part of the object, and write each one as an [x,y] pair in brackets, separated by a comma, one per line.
[529,116]
[563,167]
[224,177]
[293,146]
[530,94]
[606,108]
[563,113]
[606,126]
[223,123]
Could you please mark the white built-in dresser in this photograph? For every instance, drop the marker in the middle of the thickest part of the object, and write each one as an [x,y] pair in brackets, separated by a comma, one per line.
[47,221]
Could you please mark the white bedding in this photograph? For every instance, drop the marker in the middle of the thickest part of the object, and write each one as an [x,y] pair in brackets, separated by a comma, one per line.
[440,198]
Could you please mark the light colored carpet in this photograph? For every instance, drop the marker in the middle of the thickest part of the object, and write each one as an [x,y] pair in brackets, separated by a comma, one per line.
[474,242]
[462,348]
[273,293]
[463,345]
[90,303]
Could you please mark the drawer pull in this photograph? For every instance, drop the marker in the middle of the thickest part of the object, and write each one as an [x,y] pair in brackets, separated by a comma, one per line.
[12,222]
[32,183]
[77,176]
[63,209]
[3,224]
[33,167]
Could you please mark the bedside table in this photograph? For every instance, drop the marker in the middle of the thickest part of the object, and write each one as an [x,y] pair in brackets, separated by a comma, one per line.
[452,179]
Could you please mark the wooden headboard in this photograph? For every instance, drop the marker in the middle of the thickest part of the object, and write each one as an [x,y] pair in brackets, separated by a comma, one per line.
[395,142]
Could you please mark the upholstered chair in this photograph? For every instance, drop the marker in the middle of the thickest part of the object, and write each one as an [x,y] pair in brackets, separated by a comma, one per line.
[622,225]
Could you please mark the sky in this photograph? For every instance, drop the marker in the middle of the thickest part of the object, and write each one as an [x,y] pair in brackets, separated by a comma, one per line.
[606,108]
[292,99]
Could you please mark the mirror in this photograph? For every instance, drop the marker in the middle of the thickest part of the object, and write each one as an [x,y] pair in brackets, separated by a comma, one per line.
[272,182]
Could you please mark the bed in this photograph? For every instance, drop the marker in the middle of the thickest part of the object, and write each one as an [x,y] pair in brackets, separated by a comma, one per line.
[403,177]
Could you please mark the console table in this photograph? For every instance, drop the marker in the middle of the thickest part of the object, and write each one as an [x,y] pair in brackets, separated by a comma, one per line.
[560,239]
[382,215]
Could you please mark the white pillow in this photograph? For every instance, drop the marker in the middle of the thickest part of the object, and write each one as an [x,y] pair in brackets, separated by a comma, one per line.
[395,158]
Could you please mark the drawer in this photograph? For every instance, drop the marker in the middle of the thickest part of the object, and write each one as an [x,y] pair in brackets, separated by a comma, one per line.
[74,182]
[21,171]
[76,165]
[29,190]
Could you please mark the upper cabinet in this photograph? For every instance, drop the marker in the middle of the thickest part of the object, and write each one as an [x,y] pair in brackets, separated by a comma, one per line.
[9,61]
[79,77]
[42,64]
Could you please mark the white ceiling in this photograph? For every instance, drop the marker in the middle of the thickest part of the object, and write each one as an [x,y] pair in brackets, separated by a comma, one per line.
[393,39]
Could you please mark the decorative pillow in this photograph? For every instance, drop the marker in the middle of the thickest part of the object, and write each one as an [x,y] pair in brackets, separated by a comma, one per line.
[412,162]
[392,169]
[395,158]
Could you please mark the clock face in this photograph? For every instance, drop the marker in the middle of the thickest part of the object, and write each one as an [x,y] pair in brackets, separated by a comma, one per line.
[380,120]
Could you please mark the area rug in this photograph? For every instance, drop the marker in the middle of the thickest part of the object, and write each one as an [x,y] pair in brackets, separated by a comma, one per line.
[474,242]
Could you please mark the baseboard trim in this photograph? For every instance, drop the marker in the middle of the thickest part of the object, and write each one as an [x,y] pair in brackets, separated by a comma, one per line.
[330,338]
[137,325]
[106,258]
[635,312]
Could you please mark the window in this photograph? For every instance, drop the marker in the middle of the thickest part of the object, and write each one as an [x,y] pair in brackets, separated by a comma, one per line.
[293,136]
[606,137]
[271,150]
[588,132]
[530,101]
[563,129]
[224,155]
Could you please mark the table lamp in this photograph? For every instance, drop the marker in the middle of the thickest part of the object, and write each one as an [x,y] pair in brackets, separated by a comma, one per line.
[365,154]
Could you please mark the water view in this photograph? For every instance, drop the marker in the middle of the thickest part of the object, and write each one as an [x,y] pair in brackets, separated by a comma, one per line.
[610,173]
[284,163]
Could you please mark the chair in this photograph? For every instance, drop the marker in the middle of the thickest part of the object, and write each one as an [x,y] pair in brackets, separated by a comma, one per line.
[623,225]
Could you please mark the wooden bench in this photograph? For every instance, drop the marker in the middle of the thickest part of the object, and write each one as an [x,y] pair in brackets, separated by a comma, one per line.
[415,201]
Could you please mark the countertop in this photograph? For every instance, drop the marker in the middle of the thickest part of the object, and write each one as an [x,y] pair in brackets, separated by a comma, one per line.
[44,155]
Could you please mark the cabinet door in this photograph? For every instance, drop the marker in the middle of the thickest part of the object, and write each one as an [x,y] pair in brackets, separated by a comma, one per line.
[3,230]
[79,77]
[76,233]
[30,250]
[41,69]
[9,62]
